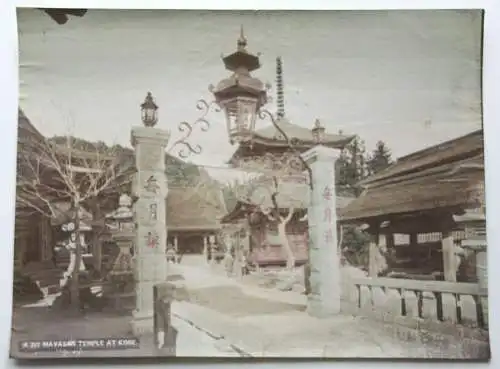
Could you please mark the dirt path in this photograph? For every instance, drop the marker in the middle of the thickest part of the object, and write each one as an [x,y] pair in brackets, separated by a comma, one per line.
[231,300]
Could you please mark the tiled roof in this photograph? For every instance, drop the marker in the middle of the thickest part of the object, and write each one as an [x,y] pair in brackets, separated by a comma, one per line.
[301,133]
[195,208]
[448,152]
[449,175]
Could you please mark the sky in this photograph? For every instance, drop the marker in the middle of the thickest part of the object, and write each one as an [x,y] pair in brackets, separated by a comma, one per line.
[409,78]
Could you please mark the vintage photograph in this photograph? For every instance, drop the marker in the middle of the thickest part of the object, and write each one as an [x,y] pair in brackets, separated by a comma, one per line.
[250,184]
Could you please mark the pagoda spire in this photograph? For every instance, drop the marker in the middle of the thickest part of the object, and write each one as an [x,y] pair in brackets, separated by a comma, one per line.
[280,96]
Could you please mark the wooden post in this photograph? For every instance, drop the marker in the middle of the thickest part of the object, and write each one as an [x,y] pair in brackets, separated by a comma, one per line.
[373,250]
[44,238]
[449,260]
[165,335]
[413,239]
[205,248]
[96,239]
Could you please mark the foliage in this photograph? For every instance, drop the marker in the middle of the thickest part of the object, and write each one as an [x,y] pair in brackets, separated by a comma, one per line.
[179,173]
[351,166]
[379,159]
[229,192]
[354,165]
[355,244]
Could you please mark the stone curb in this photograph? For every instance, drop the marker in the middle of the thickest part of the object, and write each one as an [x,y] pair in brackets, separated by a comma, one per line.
[217,337]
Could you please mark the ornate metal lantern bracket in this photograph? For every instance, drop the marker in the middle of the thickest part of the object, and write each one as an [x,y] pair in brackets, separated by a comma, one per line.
[187,129]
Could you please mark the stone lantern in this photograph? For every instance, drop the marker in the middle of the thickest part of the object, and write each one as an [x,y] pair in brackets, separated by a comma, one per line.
[473,222]
[121,275]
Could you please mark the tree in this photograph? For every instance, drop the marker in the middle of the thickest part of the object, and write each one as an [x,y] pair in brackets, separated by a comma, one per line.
[267,188]
[379,159]
[179,174]
[77,172]
[351,167]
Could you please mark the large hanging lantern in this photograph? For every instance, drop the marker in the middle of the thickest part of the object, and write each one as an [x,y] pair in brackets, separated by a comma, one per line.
[240,96]
[149,111]
[241,115]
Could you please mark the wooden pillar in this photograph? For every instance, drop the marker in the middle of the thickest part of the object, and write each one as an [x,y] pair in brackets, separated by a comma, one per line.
[20,244]
[45,239]
[389,240]
[176,245]
[205,248]
[96,239]
[211,245]
[373,250]
[413,239]
[449,260]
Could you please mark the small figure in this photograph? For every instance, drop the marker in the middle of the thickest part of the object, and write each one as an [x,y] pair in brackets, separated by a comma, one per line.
[171,254]
[228,264]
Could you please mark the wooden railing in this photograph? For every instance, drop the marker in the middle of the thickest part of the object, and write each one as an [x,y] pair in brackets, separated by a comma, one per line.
[420,288]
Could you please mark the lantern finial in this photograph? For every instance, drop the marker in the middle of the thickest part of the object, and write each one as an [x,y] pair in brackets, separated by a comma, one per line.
[242,41]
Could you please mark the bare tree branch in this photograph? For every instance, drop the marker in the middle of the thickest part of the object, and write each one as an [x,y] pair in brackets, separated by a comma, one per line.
[49,172]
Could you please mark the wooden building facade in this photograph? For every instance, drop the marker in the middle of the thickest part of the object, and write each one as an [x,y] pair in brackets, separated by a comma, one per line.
[410,209]
[193,211]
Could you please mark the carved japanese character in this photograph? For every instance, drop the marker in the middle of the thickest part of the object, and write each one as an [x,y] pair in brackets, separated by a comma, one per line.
[327,193]
[328,235]
[153,239]
[152,185]
[153,211]
[328,215]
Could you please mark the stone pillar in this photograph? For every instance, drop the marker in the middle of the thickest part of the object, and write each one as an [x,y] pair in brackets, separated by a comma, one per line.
[324,258]
[150,187]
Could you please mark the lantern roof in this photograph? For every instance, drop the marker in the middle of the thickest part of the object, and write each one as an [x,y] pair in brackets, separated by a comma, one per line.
[149,102]
[241,58]
[241,83]
[238,85]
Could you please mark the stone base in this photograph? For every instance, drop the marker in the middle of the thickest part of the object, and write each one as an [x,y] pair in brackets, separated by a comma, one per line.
[318,309]
[142,323]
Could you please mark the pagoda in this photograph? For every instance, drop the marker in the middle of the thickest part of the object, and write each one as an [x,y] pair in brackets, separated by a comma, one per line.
[263,244]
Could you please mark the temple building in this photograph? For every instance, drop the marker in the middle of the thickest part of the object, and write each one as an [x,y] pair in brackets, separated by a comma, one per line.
[267,147]
[413,211]
[194,214]
[38,235]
